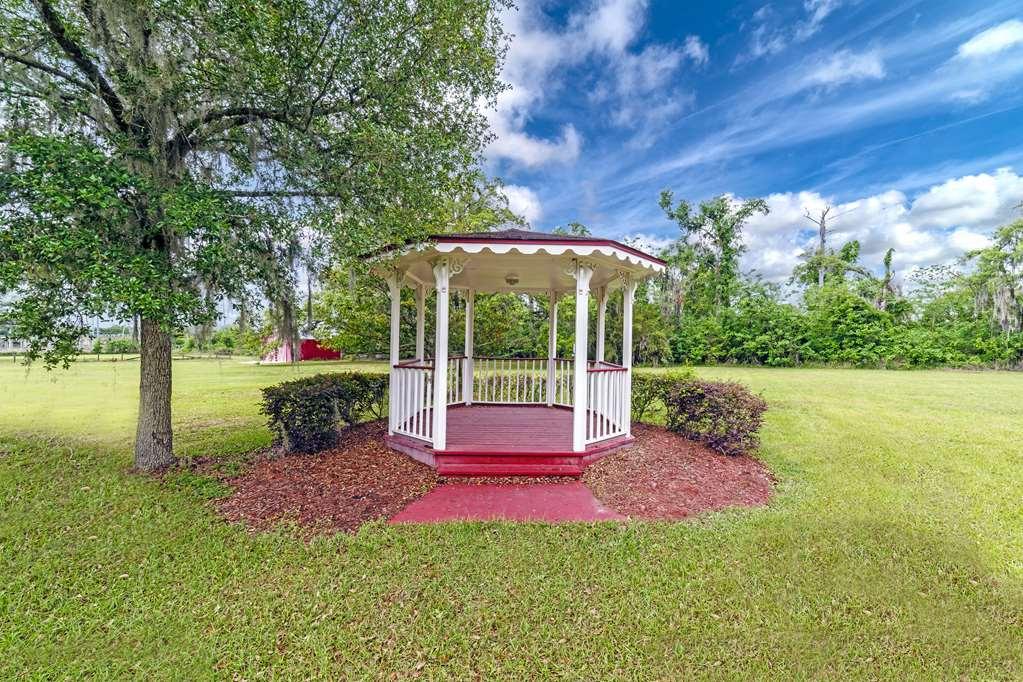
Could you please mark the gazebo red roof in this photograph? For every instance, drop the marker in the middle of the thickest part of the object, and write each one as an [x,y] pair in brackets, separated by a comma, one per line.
[521,235]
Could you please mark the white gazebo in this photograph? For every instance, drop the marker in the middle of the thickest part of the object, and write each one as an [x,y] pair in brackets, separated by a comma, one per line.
[473,415]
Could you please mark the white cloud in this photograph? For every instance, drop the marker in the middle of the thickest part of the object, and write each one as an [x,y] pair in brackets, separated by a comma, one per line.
[993,40]
[648,243]
[524,202]
[817,11]
[649,116]
[769,114]
[967,240]
[772,32]
[648,70]
[611,26]
[528,150]
[696,50]
[983,199]
[845,67]
[538,53]
[534,54]
[937,226]
[764,42]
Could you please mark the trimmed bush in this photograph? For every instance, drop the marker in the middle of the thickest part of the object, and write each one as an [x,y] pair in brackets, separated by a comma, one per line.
[123,346]
[649,390]
[305,414]
[722,415]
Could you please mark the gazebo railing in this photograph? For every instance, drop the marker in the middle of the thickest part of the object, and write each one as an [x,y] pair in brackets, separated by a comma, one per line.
[521,381]
[509,381]
[411,401]
[607,401]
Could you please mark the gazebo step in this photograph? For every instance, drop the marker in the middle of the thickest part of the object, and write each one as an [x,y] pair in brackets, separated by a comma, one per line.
[486,440]
[518,463]
[455,465]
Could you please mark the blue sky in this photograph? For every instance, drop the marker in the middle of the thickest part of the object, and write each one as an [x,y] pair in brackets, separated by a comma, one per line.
[907,116]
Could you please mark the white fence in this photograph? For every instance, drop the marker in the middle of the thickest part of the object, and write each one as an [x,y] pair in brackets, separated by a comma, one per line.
[509,381]
[411,401]
[521,381]
[607,401]
[457,367]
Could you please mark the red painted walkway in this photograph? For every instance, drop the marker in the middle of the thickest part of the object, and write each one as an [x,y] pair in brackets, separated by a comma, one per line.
[550,502]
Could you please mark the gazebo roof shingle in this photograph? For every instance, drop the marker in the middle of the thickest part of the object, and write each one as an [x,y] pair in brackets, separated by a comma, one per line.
[517,233]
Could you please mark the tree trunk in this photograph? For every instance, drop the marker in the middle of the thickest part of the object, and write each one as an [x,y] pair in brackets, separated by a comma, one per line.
[154,448]
[822,249]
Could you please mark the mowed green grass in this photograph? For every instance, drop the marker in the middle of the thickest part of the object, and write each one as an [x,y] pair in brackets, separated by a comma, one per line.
[893,548]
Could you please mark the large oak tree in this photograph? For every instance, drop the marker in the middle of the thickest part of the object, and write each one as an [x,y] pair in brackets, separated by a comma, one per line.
[159,155]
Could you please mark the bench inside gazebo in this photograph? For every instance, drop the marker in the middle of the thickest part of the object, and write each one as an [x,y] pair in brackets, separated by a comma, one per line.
[469,415]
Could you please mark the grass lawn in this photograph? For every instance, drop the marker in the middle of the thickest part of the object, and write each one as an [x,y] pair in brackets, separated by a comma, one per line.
[893,548]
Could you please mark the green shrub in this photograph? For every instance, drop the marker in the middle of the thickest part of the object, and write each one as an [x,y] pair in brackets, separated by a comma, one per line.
[305,414]
[649,390]
[124,346]
[722,415]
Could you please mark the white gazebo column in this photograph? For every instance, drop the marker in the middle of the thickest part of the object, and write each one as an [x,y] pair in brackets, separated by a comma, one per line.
[420,322]
[470,322]
[552,345]
[442,277]
[394,281]
[628,293]
[583,272]
[601,315]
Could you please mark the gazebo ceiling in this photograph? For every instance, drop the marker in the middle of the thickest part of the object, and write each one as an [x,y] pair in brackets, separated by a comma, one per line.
[525,261]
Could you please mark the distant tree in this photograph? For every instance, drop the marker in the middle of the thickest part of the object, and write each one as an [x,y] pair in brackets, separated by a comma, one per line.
[714,232]
[573,228]
[838,265]
[822,241]
[156,154]
[940,295]
[479,208]
[674,285]
[998,280]
[886,291]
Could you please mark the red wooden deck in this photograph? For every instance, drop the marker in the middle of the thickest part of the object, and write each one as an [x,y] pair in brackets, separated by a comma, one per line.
[507,440]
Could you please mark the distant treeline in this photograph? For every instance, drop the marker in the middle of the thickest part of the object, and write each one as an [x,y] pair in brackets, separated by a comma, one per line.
[833,309]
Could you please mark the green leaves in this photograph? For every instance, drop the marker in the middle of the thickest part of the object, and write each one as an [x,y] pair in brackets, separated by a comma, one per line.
[998,280]
[709,246]
[74,245]
[305,414]
[172,158]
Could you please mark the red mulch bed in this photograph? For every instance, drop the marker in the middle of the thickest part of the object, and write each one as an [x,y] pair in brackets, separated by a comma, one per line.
[665,476]
[336,490]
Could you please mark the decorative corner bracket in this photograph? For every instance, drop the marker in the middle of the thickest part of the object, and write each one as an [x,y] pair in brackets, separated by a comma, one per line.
[395,281]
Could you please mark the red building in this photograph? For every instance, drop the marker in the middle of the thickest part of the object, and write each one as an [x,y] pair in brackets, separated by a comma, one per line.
[308,349]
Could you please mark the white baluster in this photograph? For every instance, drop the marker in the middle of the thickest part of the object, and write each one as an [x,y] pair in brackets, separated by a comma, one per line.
[413,381]
[601,403]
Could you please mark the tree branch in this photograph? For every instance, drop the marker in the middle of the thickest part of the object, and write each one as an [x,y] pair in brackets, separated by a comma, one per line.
[261,193]
[185,140]
[78,57]
[45,68]
[66,98]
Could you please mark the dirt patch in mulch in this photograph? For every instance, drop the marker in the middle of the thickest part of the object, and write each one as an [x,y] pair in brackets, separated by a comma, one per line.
[665,476]
[508,480]
[359,480]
